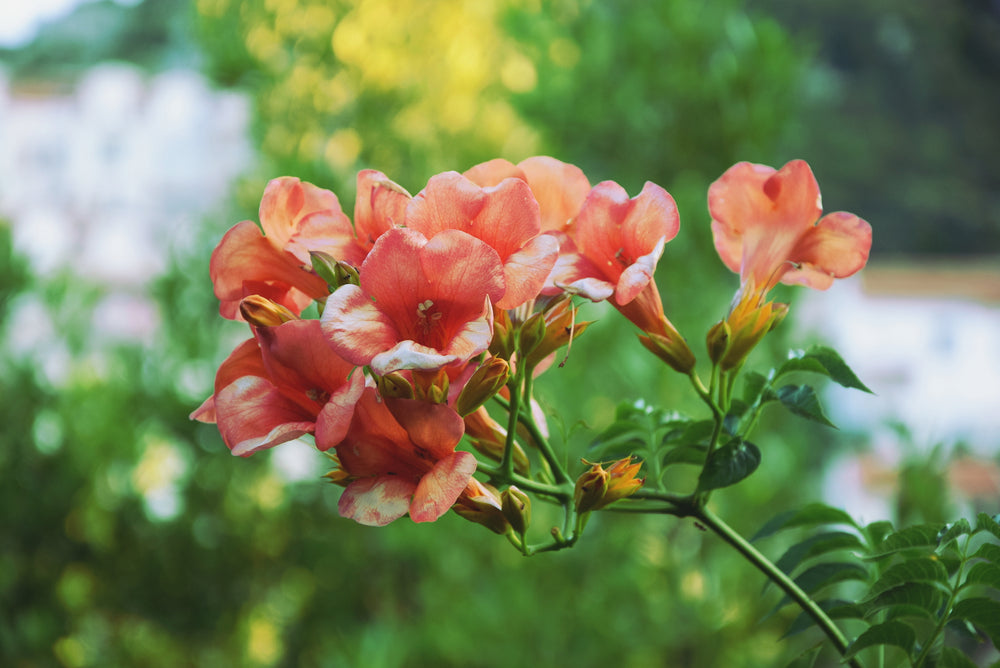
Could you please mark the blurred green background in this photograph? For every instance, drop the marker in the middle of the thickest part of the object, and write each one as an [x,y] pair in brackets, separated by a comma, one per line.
[129,536]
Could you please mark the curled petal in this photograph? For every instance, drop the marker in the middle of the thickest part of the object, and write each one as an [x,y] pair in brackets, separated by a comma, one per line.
[438,490]
[527,269]
[836,247]
[253,414]
[355,327]
[379,207]
[286,202]
[377,501]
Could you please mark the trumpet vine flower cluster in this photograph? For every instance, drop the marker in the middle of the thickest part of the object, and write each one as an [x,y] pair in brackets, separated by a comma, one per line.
[435,305]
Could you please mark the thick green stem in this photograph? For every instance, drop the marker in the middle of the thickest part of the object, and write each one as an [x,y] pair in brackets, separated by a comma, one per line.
[544,447]
[775,575]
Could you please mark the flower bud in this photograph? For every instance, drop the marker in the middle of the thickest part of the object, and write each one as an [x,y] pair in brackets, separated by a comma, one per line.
[394,385]
[530,334]
[480,503]
[262,312]
[485,382]
[717,341]
[599,487]
[502,343]
[673,351]
[490,439]
[516,506]
[335,272]
[590,489]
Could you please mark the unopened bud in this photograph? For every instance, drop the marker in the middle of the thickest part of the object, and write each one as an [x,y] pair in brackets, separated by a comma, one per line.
[485,382]
[262,312]
[530,334]
[590,489]
[335,272]
[717,341]
[502,343]
[516,506]
[673,351]
[394,385]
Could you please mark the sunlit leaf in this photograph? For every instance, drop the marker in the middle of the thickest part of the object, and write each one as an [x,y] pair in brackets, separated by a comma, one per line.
[812,515]
[826,361]
[803,401]
[893,632]
[729,464]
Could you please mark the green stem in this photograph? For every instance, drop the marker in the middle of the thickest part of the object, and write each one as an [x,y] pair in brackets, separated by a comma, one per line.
[544,447]
[558,492]
[943,618]
[514,407]
[775,575]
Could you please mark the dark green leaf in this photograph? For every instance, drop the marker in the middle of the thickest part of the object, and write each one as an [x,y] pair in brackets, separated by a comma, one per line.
[952,531]
[816,545]
[988,551]
[729,464]
[823,575]
[811,515]
[983,613]
[893,632]
[986,523]
[984,573]
[802,400]
[919,536]
[685,454]
[755,385]
[826,361]
[923,569]
[925,596]
[877,531]
[954,658]
[834,609]
[807,659]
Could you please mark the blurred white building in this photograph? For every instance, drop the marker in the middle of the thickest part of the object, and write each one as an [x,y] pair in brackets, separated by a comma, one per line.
[100,177]
[925,337]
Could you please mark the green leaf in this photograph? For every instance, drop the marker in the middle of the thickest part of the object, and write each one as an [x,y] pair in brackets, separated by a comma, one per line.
[925,596]
[877,531]
[826,361]
[816,545]
[986,523]
[812,515]
[954,658]
[983,613]
[988,551]
[685,454]
[923,569]
[729,464]
[834,609]
[754,386]
[950,532]
[802,400]
[823,575]
[807,659]
[893,632]
[984,573]
[918,536]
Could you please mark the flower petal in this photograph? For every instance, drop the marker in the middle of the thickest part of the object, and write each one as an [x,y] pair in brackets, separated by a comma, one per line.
[836,247]
[253,414]
[559,187]
[355,327]
[438,490]
[376,501]
[286,201]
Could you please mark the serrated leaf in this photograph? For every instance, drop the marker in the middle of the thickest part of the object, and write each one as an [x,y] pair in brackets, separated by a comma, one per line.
[926,596]
[803,401]
[729,464]
[834,609]
[919,536]
[954,658]
[826,361]
[988,551]
[807,659]
[986,523]
[815,546]
[983,613]
[984,573]
[952,531]
[924,569]
[812,515]
[893,632]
